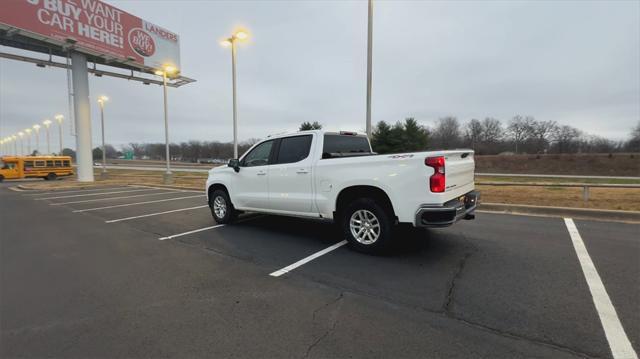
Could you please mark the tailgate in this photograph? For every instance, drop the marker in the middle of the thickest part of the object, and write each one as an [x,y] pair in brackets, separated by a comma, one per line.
[459,169]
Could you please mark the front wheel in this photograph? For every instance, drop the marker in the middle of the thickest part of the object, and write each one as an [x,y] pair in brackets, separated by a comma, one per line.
[221,207]
[1,178]
[51,177]
[367,226]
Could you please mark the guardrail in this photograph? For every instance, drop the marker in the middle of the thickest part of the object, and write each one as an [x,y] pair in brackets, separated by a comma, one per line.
[585,186]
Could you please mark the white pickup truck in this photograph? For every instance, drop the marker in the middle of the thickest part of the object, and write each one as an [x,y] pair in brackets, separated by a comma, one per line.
[336,176]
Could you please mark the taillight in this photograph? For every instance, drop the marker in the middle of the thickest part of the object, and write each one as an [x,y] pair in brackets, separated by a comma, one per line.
[436,181]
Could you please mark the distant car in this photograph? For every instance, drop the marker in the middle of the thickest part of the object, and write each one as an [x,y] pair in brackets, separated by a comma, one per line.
[336,176]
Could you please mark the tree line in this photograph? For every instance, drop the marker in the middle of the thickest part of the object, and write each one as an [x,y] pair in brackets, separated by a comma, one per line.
[489,136]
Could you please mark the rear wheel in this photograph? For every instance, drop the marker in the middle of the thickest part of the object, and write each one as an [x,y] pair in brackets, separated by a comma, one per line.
[367,226]
[51,177]
[221,207]
[1,178]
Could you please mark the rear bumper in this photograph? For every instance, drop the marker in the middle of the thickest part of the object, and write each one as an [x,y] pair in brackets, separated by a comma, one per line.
[448,213]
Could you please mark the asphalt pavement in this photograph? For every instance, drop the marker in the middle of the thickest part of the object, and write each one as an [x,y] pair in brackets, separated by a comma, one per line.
[125,271]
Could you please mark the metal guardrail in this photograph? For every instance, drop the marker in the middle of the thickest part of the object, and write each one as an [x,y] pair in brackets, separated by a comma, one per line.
[585,186]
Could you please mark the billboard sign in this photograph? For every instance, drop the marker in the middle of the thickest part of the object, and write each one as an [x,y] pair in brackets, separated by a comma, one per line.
[97,28]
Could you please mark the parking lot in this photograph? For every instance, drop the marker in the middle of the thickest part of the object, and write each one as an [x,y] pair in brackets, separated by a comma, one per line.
[130,271]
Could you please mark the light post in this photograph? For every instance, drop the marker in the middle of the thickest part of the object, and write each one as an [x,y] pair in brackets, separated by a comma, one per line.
[28,131]
[46,124]
[59,118]
[164,72]
[238,35]
[37,128]
[14,139]
[101,101]
[369,64]
[21,134]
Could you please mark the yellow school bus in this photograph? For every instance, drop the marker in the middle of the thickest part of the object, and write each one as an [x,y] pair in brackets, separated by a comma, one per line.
[47,167]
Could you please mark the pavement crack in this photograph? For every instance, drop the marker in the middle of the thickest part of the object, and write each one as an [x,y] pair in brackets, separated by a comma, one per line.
[331,328]
[446,307]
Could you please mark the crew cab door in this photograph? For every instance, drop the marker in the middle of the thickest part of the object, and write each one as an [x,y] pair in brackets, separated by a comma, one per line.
[290,177]
[251,184]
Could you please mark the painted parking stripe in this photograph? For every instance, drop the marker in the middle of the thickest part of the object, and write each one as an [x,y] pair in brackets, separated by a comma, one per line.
[110,198]
[134,204]
[618,341]
[190,232]
[155,214]
[308,259]
[206,228]
[78,191]
[95,194]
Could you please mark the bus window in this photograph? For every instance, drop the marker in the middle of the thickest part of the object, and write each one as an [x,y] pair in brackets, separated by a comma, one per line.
[39,164]
[28,164]
[49,163]
[66,163]
[58,163]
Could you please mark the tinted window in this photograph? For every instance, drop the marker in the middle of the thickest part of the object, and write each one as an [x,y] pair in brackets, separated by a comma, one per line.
[49,163]
[28,164]
[58,163]
[344,144]
[39,163]
[66,163]
[294,149]
[259,156]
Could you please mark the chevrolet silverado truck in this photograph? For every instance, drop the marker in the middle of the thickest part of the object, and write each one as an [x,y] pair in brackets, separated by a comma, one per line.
[337,177]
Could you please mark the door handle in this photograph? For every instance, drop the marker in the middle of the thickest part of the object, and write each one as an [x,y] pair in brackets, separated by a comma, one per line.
[302,171]
[262,173]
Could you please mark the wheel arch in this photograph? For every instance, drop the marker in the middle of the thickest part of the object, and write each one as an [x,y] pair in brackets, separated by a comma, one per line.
[217,186]
[348,194]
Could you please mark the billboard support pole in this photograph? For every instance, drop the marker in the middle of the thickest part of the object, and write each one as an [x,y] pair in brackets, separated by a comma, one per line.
[82,115]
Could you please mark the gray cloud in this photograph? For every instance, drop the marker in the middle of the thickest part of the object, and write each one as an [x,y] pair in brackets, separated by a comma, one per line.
[574,62]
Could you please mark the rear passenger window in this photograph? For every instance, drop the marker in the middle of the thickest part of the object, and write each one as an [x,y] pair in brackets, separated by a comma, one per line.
[66,163]
[28,164]
[58,163]
[49,163]
[39,163]
[294,149]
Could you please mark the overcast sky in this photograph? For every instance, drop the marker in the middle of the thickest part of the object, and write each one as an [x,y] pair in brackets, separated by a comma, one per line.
[574,62]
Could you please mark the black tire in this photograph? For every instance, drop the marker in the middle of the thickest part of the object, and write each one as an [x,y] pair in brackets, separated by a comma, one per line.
[376,215]
[1,178]
[51,177]
[230,213]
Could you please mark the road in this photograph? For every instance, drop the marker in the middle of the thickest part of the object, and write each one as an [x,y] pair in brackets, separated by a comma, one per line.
[126,271]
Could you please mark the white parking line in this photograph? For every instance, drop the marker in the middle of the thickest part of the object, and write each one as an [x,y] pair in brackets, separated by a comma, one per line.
[154,214]
[133,204]
[308,259]
[618,341]
[206,228]
[190,232]
[78,191]
[95,194]
[110,198]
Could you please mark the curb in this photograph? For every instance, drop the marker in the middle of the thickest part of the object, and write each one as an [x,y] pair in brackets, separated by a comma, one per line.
[578,213]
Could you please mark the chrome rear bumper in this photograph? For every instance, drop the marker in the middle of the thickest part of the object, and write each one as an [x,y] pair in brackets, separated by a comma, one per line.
[449,213]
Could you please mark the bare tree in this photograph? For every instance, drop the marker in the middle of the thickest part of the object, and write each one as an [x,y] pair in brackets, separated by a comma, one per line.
[566,139]
[447,132]
[543,132]
[472,133]
[520,129]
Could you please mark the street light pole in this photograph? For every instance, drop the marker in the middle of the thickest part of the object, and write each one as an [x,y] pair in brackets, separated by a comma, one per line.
[59,118]
[238,35]
[37,128]
[47,123]
[166,70]
[369,64]
[21,134]
[15,145]
[235,104]
[101,101]
[28,131]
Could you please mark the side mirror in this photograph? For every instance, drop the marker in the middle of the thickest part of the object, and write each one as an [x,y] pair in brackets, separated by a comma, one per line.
[235,164]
